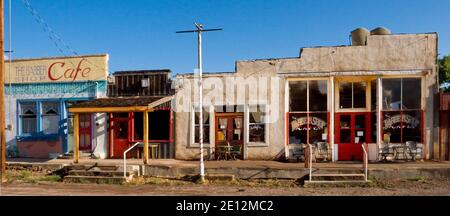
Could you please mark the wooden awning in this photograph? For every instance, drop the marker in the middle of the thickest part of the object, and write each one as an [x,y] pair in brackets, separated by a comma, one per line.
[119,104]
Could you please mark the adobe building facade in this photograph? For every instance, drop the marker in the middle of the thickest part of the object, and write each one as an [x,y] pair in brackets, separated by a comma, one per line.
[380,89]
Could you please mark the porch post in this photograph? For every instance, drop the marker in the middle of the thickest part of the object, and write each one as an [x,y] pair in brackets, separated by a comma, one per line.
[380,105]
[76,138]
[145,137]
[331,126]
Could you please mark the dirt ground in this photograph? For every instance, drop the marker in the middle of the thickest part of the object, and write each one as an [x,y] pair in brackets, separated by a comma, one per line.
[413,187]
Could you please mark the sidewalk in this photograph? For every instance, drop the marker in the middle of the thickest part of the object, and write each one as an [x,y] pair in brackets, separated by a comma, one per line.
[252,169]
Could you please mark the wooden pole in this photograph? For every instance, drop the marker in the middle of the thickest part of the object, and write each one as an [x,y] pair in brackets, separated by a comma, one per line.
[2,97]
[145,137]
[76,138]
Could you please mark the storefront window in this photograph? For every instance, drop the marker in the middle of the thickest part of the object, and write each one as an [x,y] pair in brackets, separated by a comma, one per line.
[28,118]
[402,115]
[50,117]
[308,124]
[257,124]
[352,95]
[205,126]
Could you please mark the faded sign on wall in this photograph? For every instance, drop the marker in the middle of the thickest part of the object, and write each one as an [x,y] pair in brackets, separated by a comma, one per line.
[64,69]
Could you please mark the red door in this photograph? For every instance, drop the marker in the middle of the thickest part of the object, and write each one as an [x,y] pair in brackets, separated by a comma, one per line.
[229,129]
[353,129]
[85,131]
[120,135]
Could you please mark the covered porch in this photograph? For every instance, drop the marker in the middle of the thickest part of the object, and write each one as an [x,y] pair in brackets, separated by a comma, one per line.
[128,124]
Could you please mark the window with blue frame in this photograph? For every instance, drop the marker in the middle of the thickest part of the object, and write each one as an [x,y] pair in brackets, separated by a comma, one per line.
[28,118]
[39,118]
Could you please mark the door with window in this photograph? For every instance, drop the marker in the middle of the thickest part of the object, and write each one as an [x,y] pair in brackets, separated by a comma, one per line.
[85,131]
[229,129]
[353,130]
[120,135]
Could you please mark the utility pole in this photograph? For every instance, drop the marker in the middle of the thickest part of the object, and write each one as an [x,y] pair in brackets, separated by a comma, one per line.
[2,97]
[199,31]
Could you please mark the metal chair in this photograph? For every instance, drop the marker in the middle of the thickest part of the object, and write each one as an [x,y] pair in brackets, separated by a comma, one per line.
[322,150]
[383,152]
[413,149]
[234,151]
[299,152]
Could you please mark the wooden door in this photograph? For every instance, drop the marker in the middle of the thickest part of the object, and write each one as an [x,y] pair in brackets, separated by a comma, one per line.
[230,129]
[120,130]
[85,132]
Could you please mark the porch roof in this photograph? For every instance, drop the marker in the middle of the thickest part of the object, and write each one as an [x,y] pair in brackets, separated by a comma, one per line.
[119,104]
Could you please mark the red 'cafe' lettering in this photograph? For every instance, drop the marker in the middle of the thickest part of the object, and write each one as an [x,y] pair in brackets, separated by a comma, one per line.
[69,73]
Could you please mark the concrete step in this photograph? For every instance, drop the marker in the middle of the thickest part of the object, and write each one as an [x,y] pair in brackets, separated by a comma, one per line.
[100,173]
[95,179]
[308,183]
[338,175]
[104,168]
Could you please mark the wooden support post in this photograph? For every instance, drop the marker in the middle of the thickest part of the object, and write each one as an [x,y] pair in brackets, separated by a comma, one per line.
[76,138]
[2,100]
[145,137]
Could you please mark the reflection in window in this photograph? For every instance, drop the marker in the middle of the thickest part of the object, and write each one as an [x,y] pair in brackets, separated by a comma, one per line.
[205,126]
[317,95]
[352,95]
[50,117]
[345,95]
[297,96]
[308,124]
[401,109]
[257,124]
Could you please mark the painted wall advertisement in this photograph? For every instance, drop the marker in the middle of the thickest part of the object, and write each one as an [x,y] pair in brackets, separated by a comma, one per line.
[48,70]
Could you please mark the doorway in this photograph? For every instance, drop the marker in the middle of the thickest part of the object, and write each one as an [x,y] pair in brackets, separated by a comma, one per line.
[230,132]
[85,132]
[353,129]
[120,134]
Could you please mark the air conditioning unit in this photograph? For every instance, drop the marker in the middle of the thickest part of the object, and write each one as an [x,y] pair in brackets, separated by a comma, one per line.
[111,80]
[144,83]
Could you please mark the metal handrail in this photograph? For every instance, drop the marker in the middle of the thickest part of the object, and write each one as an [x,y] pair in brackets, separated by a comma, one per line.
[365,161]
[125,158]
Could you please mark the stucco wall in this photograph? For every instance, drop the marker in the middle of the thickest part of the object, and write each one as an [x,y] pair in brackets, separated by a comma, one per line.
[383,55]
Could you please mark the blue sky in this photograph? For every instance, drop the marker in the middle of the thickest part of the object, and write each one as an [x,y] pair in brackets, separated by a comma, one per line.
[140,34]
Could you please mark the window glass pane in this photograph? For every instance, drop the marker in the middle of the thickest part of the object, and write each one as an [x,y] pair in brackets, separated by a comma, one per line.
[28,124]
[359,94]
[28,117]
[50,108]
[411,93]
[205,117]
[345,95]
[28,108]
[360,121]
[50,124]
[391,94]
[373,128]
[411,126]
[317,127]
[318,95]
[297,128]
[344,129]
[297,96]
[205,134]
[373,95]
[205,126]
[257,133]
[392,126]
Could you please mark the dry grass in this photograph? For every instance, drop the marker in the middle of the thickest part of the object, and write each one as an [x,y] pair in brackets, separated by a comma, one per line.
[26,176]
